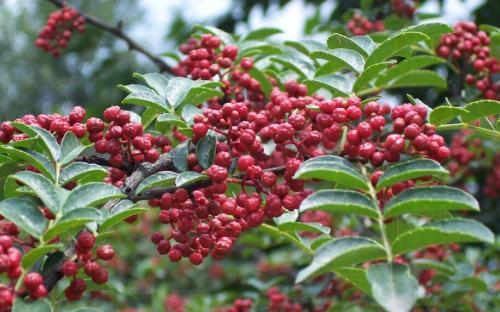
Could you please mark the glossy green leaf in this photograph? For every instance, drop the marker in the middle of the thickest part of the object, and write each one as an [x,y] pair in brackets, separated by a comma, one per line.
[74,218]
[40,305]
[24,212]
[188,113]
[304,226]
[166,120]
[262,33]
[42,186]
[224,36]
[205,150]
[179,90]
[418,78]
[412,63]
[328,68]
[355,276]
[332,82]
[46,138]
[135,88]
[426,200]
[179,156]
[79,170]
[337,40]
[120,212]
[392,45]
[30,157]
[305,46]
[393,286]
[442,232]
[410,170]
[148,116]
[189,177]
[159,179]
[289,216]
[297,63]
[480,109]
[346,57]
[156,81]
[256,47]
[442,114]
[70,148]
[432,29]
[30,258]
[344,201]
[365,42]
[369,74]
[149,100]
[198,95]
[334,169]
[341,252]
[90,195]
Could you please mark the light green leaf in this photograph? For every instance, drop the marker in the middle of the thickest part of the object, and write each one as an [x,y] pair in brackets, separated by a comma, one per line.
[332,82]
[24,212]
[70,148]
[40,305]
[431,29]
[149,100]
[409,170]
[344,201]
[370,73]
[426,200]
[305,46]
[90,195]
[156,81]
[79,170]
[346,57]
[188,113]
[135,88]
[304,226]
[365,42]
[289,216]
[418,78]
[341,252]
[393,286]
[442,232]
[295,62]
[393,44]
[336,41]
[35,254]
[159,179]
[120,212]
[42,186]
[30,157]
[480,109]
[189,177]
[334,169]
[47,139]
[166,120]
[442,114]
[205,150]
[74,218]
[262,33]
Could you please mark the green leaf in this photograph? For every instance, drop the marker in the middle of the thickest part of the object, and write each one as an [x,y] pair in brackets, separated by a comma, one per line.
[90,195]
[30,157]
[79,170]
[136,88]
[48,140]
[148,116]
[370,73]
[328,68]
[365,42]
[265,84]
[480,109]
[149,100]
[70,148]
[442,232]
[303,226]
[166,120]
[35,254]
[336,41]
[259,48]
[24,212]
[262,33]
[156,81]
[224,36]
[295,62]
[205,150]
[393,44]
[334,169]
[305,46]
[332,82]
[355,276]
[412,63]
[188,113]
[74,218]
[393,286]
[346,57]
[344,201]
[289,216]
[179,156]
[120,212]
[177,90]
[189,177]
[442,114]
[159,179]
[429,199]
[43,188]
[341,252]
[409,170]
[430,29]
[438,266]
[198,95]
[418,78]
[40,305]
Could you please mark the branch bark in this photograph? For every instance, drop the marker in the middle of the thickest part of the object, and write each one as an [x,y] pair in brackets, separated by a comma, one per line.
[118,32]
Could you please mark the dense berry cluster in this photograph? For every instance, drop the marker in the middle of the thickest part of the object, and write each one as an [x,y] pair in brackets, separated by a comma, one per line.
[469,49]
[360,25]
[404,8]
[492,182]
[87,261]
[59,29]
[174,303]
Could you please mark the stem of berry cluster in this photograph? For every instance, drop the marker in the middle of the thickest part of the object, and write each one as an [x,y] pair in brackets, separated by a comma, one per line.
[117,31]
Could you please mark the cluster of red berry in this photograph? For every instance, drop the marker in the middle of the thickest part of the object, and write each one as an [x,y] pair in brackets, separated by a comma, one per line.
[359,25]
[404,8]
[239,305]
[469,49]
[56,34]
[86,260]
[492,182]
[174,303]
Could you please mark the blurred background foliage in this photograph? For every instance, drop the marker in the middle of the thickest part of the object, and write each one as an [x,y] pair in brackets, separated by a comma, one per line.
[95,62]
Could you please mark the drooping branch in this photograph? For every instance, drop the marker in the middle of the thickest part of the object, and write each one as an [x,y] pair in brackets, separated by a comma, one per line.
[118,32]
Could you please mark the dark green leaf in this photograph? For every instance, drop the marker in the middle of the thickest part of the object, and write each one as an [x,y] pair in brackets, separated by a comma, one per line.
[480,109]
[418,78]
[35,254]
[346,57]
[344,201]
[179,156]
[332,82]
[90,195]
[416,62]
[442,114]
[428,199]
[262,33]
[205,151]
[47,139]
[79,170]
[149,100]
[159,179]
[392,45]
[74,218]
[24,212]
[341,252]
[442,232]
[189,177]
[70,148]
[334,169]
[410,170]
[393,286]
[370,73]
[42,186]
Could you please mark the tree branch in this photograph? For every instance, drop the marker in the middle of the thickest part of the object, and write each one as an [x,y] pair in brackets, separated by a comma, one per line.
[118,32]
